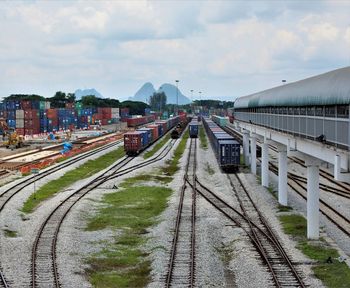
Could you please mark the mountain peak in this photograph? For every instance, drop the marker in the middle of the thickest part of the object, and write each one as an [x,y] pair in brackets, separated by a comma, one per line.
[147,91]
[79,93]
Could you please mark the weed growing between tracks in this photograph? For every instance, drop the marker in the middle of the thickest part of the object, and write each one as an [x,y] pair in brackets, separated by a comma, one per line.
[10,233]
[172,166]
[335,274]
[129,212]
[203,138]
[83,171]
[159,145]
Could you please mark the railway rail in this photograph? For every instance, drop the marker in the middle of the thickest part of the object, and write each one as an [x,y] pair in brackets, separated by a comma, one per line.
[6,195]
[332,214]
[3,282]
[181,266]
[249,218]
[44,266]
[340,188]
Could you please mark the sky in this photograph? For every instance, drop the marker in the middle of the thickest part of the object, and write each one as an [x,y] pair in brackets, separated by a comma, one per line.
[225,49]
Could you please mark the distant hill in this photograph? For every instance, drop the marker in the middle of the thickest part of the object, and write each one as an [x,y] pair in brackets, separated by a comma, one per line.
[144,93]
[80,93]
[170,92]
[147,90]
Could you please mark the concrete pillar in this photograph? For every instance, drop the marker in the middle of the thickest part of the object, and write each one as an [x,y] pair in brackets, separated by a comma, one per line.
[253,155]
[282,176]
[265,165]
[246,147]
[313,204]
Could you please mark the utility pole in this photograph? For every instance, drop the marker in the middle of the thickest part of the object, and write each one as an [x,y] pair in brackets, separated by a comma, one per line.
[191,100]
[177,97]
[200,101]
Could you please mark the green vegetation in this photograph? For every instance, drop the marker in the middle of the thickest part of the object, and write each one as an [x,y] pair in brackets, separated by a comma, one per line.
[129,213]
[272,191]
[157,101]
[333,274]
[203,138]
[209,169]
[129,182]
[282,208]
[172,165]
[135,107]
[10,233]
[83,171]
[159,145]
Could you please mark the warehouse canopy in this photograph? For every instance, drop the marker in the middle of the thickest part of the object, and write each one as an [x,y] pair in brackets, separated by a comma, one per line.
[332,88]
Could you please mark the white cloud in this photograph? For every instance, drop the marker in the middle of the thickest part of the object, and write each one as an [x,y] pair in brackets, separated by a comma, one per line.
[213,45]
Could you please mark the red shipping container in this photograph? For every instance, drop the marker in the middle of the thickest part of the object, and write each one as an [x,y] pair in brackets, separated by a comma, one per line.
[20,131]
[51,113]
[31,123]
[32,131]
[31,114]
[26,105]
[154,131]
[164,125]
[132,142]
[104,122]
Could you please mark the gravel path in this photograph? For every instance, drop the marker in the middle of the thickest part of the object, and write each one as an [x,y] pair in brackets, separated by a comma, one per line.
[16,265]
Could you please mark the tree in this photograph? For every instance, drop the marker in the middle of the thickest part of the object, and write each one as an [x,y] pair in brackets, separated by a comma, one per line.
[71,97]
[158,101]
[89,100]
[135,107]
[31,97]
[59,100]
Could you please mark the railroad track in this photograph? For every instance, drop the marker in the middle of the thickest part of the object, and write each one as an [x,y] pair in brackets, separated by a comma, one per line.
[6,195]
[342,222]
[3,173]
[340,188]
[181,266]
[248,217]
[3,283]
[44,266]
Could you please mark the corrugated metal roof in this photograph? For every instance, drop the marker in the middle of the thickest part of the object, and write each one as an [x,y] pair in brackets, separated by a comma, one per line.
[331,88]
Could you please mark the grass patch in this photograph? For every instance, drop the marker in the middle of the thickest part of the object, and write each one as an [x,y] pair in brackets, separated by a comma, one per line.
[159,145]
[335,274]
[172,166]
[130,212]
[83,171]
[272,191]
[282,208]
[129,182]
[10,233]
[209,169]
[203,138]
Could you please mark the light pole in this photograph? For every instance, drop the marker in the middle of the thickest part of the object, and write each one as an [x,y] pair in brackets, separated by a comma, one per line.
[177,97]
[200,101]
[160,100]
[191,100]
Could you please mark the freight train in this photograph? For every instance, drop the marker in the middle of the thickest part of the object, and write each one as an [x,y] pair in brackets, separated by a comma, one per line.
[193,128]
[136,122]
[226,147]
[139,140]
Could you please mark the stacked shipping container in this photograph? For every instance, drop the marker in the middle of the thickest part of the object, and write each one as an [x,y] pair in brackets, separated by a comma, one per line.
[34,117]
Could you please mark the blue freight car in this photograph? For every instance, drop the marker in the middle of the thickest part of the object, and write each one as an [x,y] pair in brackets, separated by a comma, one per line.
[225,146]
[193,129]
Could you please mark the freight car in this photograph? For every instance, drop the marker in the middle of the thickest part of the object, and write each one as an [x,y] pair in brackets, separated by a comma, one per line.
[193,129]
[135,122]
[137,141]
[226,147]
